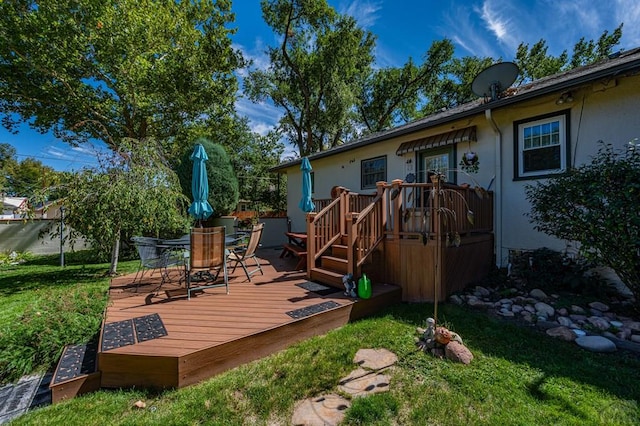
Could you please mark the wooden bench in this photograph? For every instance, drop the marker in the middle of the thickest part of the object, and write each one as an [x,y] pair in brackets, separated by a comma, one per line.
[297,251]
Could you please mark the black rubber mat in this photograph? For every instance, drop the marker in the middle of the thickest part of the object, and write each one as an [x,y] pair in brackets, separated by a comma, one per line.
[313,309]
[149,327]
[319,289]
[117,334]
[121,333]
[76,361]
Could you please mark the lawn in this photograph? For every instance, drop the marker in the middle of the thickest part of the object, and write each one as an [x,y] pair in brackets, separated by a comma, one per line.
[518,377]
[45,306]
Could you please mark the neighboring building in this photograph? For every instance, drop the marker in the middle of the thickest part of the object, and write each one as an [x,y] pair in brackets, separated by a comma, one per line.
[529,133]
[14,207]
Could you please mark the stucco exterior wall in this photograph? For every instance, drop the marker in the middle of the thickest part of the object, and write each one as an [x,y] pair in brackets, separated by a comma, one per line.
[607,111]
[338,170]
[610,115]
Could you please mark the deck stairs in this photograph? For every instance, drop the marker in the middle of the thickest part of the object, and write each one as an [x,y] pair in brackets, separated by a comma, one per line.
[332,266]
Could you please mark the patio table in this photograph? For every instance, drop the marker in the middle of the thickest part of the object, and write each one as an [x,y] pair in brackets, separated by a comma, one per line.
[184,242]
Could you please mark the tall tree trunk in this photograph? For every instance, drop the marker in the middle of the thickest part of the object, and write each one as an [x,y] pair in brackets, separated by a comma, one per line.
[114,255]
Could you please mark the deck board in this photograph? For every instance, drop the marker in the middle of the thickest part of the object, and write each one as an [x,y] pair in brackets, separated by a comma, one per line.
[215,331]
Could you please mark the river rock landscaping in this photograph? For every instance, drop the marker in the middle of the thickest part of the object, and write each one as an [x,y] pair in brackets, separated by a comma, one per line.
[594,326]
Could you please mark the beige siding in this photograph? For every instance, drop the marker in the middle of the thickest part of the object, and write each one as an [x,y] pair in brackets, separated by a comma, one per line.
[611,115]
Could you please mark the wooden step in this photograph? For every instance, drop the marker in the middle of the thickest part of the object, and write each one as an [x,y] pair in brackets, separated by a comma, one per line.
[383,295]
[339,250]
[76,372]
[335,264]
[327,277]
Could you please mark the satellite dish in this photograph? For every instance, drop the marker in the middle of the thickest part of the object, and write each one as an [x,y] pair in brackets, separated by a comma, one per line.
[493,80]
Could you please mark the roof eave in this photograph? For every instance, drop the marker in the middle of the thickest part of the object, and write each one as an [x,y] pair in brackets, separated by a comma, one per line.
[499,103]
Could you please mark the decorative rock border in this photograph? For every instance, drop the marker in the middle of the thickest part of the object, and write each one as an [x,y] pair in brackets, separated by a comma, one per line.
[580,324]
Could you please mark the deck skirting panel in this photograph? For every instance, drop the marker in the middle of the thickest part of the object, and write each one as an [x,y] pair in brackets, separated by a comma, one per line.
[208,362]
[125,370]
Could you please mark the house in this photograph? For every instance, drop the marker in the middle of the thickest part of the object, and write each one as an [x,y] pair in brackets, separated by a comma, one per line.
[570,111]
[14,207]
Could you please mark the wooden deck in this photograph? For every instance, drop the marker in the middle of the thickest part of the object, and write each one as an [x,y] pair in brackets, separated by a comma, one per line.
[215,331]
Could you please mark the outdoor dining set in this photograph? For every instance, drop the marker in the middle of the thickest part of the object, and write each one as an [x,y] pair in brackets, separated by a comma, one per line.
[203,256]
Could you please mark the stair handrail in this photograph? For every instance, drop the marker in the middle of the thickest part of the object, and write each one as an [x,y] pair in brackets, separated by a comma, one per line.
[325,228]
[366,230]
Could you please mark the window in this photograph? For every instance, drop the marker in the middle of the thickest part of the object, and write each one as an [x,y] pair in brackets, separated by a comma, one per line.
[313,182]
[541,146]
[437,160]
[373,170]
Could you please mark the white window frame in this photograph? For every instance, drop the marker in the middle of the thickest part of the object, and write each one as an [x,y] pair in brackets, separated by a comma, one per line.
[562,118]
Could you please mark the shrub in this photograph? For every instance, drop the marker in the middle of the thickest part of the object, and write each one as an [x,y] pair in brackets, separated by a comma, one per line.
[596,204]
[551,270]
[223,184]
[13,257]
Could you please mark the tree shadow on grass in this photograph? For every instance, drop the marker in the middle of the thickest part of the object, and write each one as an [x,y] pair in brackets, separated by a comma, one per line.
[44,272]
[616,373]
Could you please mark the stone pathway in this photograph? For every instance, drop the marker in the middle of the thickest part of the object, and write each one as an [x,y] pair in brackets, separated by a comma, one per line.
[29,392]
[367,379]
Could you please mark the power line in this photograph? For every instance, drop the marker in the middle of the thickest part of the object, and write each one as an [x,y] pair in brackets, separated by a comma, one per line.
[41,157]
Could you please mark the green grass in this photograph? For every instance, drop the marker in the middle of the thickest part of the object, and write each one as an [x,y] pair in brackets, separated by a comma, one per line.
[518,377]
[46,306]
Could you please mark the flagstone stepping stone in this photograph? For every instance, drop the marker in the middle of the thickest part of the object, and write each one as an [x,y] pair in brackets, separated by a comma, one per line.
[326,410]
[375,359]
[362,382]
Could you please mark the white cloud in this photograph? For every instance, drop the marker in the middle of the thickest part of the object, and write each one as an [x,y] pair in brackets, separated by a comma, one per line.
[86,149]
[261,128]
[365,12]
[628,12]
[256,54]
[57,152]
[459,26]
[262,116]
[498,17]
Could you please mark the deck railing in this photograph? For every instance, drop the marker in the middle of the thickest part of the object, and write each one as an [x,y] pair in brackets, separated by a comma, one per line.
[324,228]
[400,209]
[462,210]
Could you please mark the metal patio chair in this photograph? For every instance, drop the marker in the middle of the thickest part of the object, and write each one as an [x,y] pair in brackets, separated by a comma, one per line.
[241,256]
[153,257]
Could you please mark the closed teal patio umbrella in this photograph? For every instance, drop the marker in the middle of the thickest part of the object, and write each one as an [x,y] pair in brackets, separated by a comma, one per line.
[200,207]
[306,203]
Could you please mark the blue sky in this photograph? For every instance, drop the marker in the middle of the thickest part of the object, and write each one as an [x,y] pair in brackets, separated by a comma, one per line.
[404,28]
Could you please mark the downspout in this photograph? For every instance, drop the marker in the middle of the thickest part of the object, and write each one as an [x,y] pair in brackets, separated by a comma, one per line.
[497,193]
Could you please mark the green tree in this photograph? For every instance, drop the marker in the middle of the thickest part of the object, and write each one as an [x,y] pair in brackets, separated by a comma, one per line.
[588,52]
[257,184]
[596,204]
[28,177]
[7,162]
[536,62]
[390,96]
[135,69]
[223,184]
[132,194]
[454,87]
[251,155]
[314,72]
